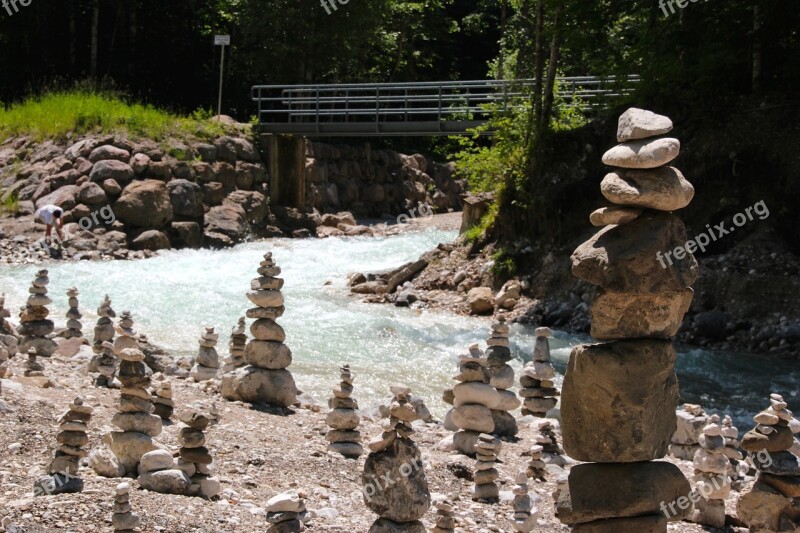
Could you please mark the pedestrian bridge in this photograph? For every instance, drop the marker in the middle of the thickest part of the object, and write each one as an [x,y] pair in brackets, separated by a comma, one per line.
[414,109]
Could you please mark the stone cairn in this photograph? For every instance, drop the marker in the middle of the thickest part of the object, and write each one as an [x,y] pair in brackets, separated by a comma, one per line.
[619,397]
[74,326]
[525,514]
[163,402]
[33,368]
[711,468]
[344,437]
[401,504]
[207,364]
[134,417]
[498,354]
[123,519]
[473,400]
[768,505]
[194,452]
[8,345]
[445,518]
[104,361]
[536,382]
[62,470]
[34,326]
[691,419]
[236,347]
[486,474]
[537,468]
[265,379]
[731,450]
[552,453]
[286,513]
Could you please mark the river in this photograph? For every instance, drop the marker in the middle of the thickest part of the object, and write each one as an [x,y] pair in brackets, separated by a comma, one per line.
[174,294]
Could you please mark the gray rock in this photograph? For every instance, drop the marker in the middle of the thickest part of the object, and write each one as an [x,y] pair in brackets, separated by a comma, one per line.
[663,189]
[637,124]
[166,482]
[648,153]
[407,499]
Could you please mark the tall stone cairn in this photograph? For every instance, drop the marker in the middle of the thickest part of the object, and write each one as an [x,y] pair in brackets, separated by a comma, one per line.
[473,400]
[402,503]
[62,470]
[74,326]
[207,364]
[265,379]
[104,361]
[163,402]
[343,419]
[34,326]
[536,382]
[502,378]
[731,450]
[619,397]
[487,449]
[712,482]
[123,518]
[445,518]
[768,505]
[134,417]
[236,348]
[525,514]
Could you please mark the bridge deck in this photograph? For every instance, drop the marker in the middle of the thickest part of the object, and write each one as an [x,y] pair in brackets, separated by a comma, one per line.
[407,109]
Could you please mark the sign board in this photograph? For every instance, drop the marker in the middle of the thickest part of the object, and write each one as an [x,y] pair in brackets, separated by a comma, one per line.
[222,40]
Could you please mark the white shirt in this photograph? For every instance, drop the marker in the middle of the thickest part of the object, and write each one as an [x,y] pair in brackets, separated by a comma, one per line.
[45,213]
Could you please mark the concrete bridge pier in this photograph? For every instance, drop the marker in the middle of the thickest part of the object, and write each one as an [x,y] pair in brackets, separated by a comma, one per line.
[286,162]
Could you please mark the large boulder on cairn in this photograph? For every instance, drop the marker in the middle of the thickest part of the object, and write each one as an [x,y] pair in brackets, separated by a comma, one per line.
[407,499]
[144,204]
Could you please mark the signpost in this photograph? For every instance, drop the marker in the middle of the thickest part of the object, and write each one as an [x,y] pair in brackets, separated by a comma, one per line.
[223,41]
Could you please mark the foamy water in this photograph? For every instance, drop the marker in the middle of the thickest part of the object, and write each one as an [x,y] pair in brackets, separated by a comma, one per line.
[174,295]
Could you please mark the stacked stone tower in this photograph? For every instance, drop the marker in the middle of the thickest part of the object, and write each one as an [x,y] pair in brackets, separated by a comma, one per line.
[502,378]
[265,379]
[769,503]
[74,326]
[104,361]
[536,382]
[487,449]
[619,397]
[34,325]
[344,437]
[62,471]
[236,347]
[445,517]
[194,452]
[207,363]
[402,503]
[123,517]
[711,468]
[473,398]
[525,514]
[163,402]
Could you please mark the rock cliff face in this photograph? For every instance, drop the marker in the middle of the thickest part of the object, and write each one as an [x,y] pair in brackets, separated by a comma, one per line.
[124,198]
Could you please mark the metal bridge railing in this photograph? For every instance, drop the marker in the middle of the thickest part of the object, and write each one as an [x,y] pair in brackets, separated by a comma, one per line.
[425,108]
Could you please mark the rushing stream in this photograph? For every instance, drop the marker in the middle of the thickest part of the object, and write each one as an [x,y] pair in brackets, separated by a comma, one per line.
[173,295]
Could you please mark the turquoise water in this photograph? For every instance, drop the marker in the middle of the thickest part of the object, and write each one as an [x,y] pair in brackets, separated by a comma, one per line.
[174,295]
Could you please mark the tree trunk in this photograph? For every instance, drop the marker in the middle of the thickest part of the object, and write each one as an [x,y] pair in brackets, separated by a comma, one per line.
[539,63]
[552,69]
[95,31]
[501,59]
[757,53]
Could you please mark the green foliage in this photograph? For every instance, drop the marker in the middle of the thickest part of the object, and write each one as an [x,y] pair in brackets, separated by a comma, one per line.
[504,265]
[10,203]
[479,231]
[56,114]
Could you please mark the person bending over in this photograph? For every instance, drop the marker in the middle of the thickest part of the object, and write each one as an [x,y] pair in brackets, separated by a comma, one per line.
[51,215]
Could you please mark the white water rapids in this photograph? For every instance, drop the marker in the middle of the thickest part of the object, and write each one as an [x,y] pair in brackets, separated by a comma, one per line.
[174,295]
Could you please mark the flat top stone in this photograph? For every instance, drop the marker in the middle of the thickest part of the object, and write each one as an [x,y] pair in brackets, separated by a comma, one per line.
[638,123]
[543,332]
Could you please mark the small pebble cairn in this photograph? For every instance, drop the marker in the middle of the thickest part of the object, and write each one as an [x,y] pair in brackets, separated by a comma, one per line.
[498,354]
[33,368]
[74,326]
[768,505]
[445,518]
[691,419]
[163,402]
[124,519]
[286,513]
[236,347]
[207,363]
[62,470]
[486,474]
[34,325]
[194,452]
[537,468]
[104,361]
[711,468]
[525,514]
[400,504]
[344,437]
[537,387]
[731,435]
[551,451]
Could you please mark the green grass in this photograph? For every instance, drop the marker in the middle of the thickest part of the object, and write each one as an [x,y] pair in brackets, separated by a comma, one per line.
[56,114]
[10,204]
